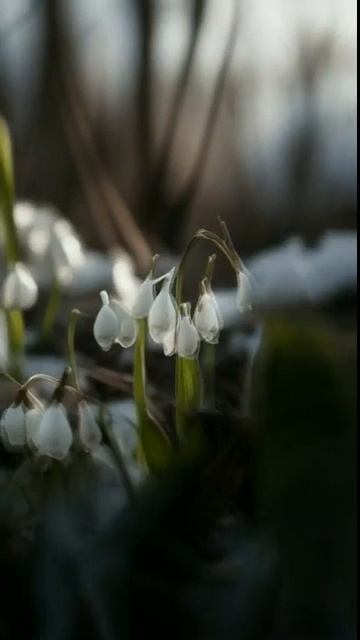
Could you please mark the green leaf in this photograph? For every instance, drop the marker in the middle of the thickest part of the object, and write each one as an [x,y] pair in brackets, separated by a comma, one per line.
[154,448]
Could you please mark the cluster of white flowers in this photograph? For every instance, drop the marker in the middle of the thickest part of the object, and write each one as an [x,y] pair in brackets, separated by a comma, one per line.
[174,327]
[27,424]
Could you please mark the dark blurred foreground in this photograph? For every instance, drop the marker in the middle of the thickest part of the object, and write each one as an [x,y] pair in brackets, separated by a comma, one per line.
[256,540]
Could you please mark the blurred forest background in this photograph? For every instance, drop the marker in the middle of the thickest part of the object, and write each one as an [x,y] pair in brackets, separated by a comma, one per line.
[145,119]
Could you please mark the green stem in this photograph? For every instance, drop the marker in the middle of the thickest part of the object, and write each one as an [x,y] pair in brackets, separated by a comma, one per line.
[15,323]
[7,195]
[154,449]
[52,308]
[16,336]
[74,317]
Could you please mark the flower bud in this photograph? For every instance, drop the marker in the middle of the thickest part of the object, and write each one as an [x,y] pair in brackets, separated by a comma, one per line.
[127,325]
[13,428]
[207,316]
[244,291]
[106,326]
[54,436]
[188,339]
[88,429]
[163,313]
[19,290]
[144,299]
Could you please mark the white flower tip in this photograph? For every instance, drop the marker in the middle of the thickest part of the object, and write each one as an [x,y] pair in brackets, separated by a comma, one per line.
[104,297]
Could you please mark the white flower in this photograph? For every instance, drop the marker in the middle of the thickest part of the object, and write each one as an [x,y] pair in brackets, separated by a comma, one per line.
[54,436]
[163,313]
[33,419]
[169,341]
[88,429]
[127,325]
[65,250]
[188,339]
[12,427]
[207,315]
[244,291]
[19,290]
[144,299]
[106,326]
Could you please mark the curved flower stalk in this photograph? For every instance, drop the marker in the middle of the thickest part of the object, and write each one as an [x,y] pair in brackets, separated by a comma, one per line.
[207,316]
[19,290]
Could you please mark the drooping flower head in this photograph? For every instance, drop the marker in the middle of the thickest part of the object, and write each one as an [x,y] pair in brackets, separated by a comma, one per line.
[163,312]
[207,316]
[188,339]
[244,291]
[106,326]
[54,436]
[19,290]
[127,328]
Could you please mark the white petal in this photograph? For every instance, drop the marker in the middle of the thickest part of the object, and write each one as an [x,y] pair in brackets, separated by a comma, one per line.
[13,430]
[169,342]
[89,432]
[206,318]
[33,419]
[127,325]
[19,290]
[106,327]
[188,339]
[163,314]
[54,437]
[244,292]
[144,299]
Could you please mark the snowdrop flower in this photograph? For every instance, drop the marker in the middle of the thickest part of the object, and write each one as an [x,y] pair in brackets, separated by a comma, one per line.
[13,428]
[127,328]
[33,419]
[188,339]
[88,429]
[106,326]
[169,340]
[163,313]
[65,251]
[144,298]
[244,291]
[54,436]
[207,315]
[19,290]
